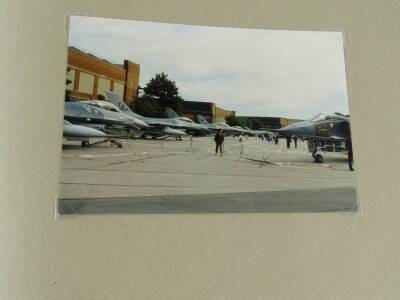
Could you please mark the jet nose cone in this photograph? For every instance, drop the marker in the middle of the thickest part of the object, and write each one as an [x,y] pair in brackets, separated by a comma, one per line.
[171,131]
[140,123]
[87,131]
[82,131]
[98,133]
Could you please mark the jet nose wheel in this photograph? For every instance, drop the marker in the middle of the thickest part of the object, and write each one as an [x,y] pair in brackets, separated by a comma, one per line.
[116,143]
[318,158]
[85,144]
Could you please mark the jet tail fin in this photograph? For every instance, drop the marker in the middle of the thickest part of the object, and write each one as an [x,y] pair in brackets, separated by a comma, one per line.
[171,113]
[115,99]
[201,119]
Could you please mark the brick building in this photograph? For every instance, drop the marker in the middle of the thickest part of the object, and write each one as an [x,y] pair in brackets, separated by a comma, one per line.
[91,76]
[208,110]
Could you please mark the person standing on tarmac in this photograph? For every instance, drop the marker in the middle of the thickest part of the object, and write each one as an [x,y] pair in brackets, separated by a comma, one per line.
[219,140]
[288,140]
[276,139]
[295,141]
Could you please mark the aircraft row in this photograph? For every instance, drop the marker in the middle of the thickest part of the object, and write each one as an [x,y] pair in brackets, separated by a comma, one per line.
[116,113]
[85,120]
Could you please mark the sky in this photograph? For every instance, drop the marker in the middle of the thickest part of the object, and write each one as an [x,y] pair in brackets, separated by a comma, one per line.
[255,72]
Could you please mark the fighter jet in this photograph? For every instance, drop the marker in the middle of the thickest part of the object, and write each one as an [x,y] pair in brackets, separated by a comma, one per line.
[167,126]
[321,129]
[85,114]
[83,134]
[145,128]
[214,127]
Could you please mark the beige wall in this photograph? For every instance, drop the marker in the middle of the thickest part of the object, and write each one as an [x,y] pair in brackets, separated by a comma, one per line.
[212,256]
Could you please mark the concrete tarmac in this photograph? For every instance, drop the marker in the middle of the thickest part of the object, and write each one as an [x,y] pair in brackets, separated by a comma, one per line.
[153,176]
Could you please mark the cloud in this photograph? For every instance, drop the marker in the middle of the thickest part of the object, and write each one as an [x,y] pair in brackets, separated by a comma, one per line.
[252,71]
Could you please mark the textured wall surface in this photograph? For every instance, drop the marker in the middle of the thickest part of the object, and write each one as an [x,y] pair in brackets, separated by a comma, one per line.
[231,256]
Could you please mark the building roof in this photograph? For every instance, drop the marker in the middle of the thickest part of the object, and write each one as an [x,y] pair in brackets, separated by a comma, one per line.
[95,57]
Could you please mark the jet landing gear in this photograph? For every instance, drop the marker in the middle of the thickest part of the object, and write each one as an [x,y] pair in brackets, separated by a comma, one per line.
[318,158]
[113,142]
[313,147]
[116,143]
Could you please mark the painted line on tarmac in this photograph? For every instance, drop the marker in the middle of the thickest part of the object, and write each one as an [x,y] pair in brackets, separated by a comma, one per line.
[90,156]
[100,155]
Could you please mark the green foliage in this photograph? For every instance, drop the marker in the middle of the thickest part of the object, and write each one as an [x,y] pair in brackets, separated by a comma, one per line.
[162,92]
[256,124]
[147,106]
[239,121]
[232,120]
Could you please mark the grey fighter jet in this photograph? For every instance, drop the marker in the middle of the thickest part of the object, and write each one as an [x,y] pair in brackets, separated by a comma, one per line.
[145,128]
[319,130]
[85,114]
[163,124]
[215,127]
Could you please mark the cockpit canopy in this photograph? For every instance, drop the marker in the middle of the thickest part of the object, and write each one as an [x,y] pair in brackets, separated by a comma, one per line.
[327,116]
[319,117]
[103,104]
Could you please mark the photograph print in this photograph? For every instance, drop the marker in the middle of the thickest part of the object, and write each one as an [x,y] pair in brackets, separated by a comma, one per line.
[171,118]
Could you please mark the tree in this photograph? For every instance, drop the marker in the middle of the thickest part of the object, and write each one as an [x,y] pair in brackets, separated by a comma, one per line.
[256,123]
[162,91]
[232,120]
[239,121]
[146,106]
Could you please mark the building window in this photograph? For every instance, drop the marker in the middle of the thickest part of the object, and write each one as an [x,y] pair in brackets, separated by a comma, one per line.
[103,86]
[86,83]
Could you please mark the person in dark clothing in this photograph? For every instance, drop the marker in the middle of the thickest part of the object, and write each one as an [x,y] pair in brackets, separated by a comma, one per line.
[219,140]
[276,139]
[295,141]
[349,147]
[288,140]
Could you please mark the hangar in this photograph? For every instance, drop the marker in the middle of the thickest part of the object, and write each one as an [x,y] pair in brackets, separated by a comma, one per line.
[269,122]
[208,110]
